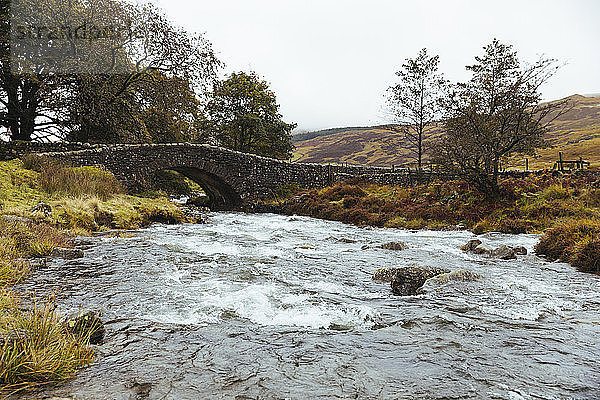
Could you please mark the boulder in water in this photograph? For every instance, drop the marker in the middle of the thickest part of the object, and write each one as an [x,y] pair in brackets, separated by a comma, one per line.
[86,326]
[67,254]
[504,253]
[460,275]
[483,250]
[520,251]
[471,245]
[384,275]
[393,246]
[407,281]
[346,240]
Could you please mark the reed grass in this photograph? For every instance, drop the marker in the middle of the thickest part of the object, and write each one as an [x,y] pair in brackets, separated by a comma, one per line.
[37,348]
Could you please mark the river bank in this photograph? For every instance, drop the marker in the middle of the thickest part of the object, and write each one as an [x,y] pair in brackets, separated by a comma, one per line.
[564,208]
[43,206]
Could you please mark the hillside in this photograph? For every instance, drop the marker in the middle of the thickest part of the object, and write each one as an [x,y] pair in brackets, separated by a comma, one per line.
[576,133]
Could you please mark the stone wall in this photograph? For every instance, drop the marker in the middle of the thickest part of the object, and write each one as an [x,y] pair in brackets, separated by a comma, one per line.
[12,150]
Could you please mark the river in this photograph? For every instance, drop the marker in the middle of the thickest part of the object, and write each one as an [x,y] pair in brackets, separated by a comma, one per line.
[275,307]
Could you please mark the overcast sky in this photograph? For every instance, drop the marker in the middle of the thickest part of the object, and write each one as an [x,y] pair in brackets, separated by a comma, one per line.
[330,61]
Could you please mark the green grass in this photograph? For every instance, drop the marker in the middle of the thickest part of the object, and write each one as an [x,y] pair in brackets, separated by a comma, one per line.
[43,351]
[82,200]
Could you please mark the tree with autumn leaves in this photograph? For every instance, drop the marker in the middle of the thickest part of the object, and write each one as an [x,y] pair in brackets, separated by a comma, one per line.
[242,114]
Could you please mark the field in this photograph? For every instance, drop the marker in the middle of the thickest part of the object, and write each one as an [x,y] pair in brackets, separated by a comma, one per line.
[576,133]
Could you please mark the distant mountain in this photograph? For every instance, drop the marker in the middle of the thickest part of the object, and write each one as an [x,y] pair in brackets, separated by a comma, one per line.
[301,137]
[576,133]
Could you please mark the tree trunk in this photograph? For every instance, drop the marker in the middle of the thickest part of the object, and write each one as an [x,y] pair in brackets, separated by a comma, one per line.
[29,105]
[11,86]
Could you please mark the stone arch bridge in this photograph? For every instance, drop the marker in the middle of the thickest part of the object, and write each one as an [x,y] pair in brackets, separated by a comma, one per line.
[231,179]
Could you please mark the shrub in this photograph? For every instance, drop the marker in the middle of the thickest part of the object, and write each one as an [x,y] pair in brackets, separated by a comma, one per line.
[514,226]
[587,257]
[171,182]
[338,192]
[39,163]
[30,239]
[555,192]
[287,191]
[561,242]
[351,202]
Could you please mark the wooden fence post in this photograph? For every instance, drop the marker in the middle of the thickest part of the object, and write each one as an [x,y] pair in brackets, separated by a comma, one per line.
[561,167]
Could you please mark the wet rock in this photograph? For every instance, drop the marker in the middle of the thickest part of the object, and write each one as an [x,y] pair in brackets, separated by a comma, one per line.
[483,250]
[407,281]
[460,275]
[141,390]
[384,275]
[504,253]
[87,326]
[471,245]
[393,246]
[339,327]
[43,209]
[67,254]
[346,240]
[520,251]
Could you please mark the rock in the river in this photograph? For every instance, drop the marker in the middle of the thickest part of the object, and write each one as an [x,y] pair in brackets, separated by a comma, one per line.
[504,253]
[460,275]
[408,280]
[393,246]
[483,250]
[67,254]
[471,245]
[346,240]
[384,275]
[520,251]
[87,325]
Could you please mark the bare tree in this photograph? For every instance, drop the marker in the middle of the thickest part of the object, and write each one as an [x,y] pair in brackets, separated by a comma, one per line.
[414,101]
[496,113]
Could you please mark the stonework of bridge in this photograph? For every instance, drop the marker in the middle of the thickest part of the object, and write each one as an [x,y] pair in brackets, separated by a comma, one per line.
[230,179]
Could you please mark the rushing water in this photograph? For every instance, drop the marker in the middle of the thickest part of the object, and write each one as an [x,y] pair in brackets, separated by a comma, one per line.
[272,307]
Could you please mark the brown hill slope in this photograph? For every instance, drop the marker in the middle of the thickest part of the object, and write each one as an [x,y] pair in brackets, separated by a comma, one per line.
[576,133]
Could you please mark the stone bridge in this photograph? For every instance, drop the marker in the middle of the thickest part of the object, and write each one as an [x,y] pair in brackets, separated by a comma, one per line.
[231,179]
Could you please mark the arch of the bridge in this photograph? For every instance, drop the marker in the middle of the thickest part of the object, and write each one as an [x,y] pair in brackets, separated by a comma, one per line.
[221,195]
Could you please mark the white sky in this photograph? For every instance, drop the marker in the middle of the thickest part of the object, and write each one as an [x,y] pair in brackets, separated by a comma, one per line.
[330,61]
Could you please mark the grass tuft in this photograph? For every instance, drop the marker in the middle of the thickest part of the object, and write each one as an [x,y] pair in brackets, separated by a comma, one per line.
[35,347]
